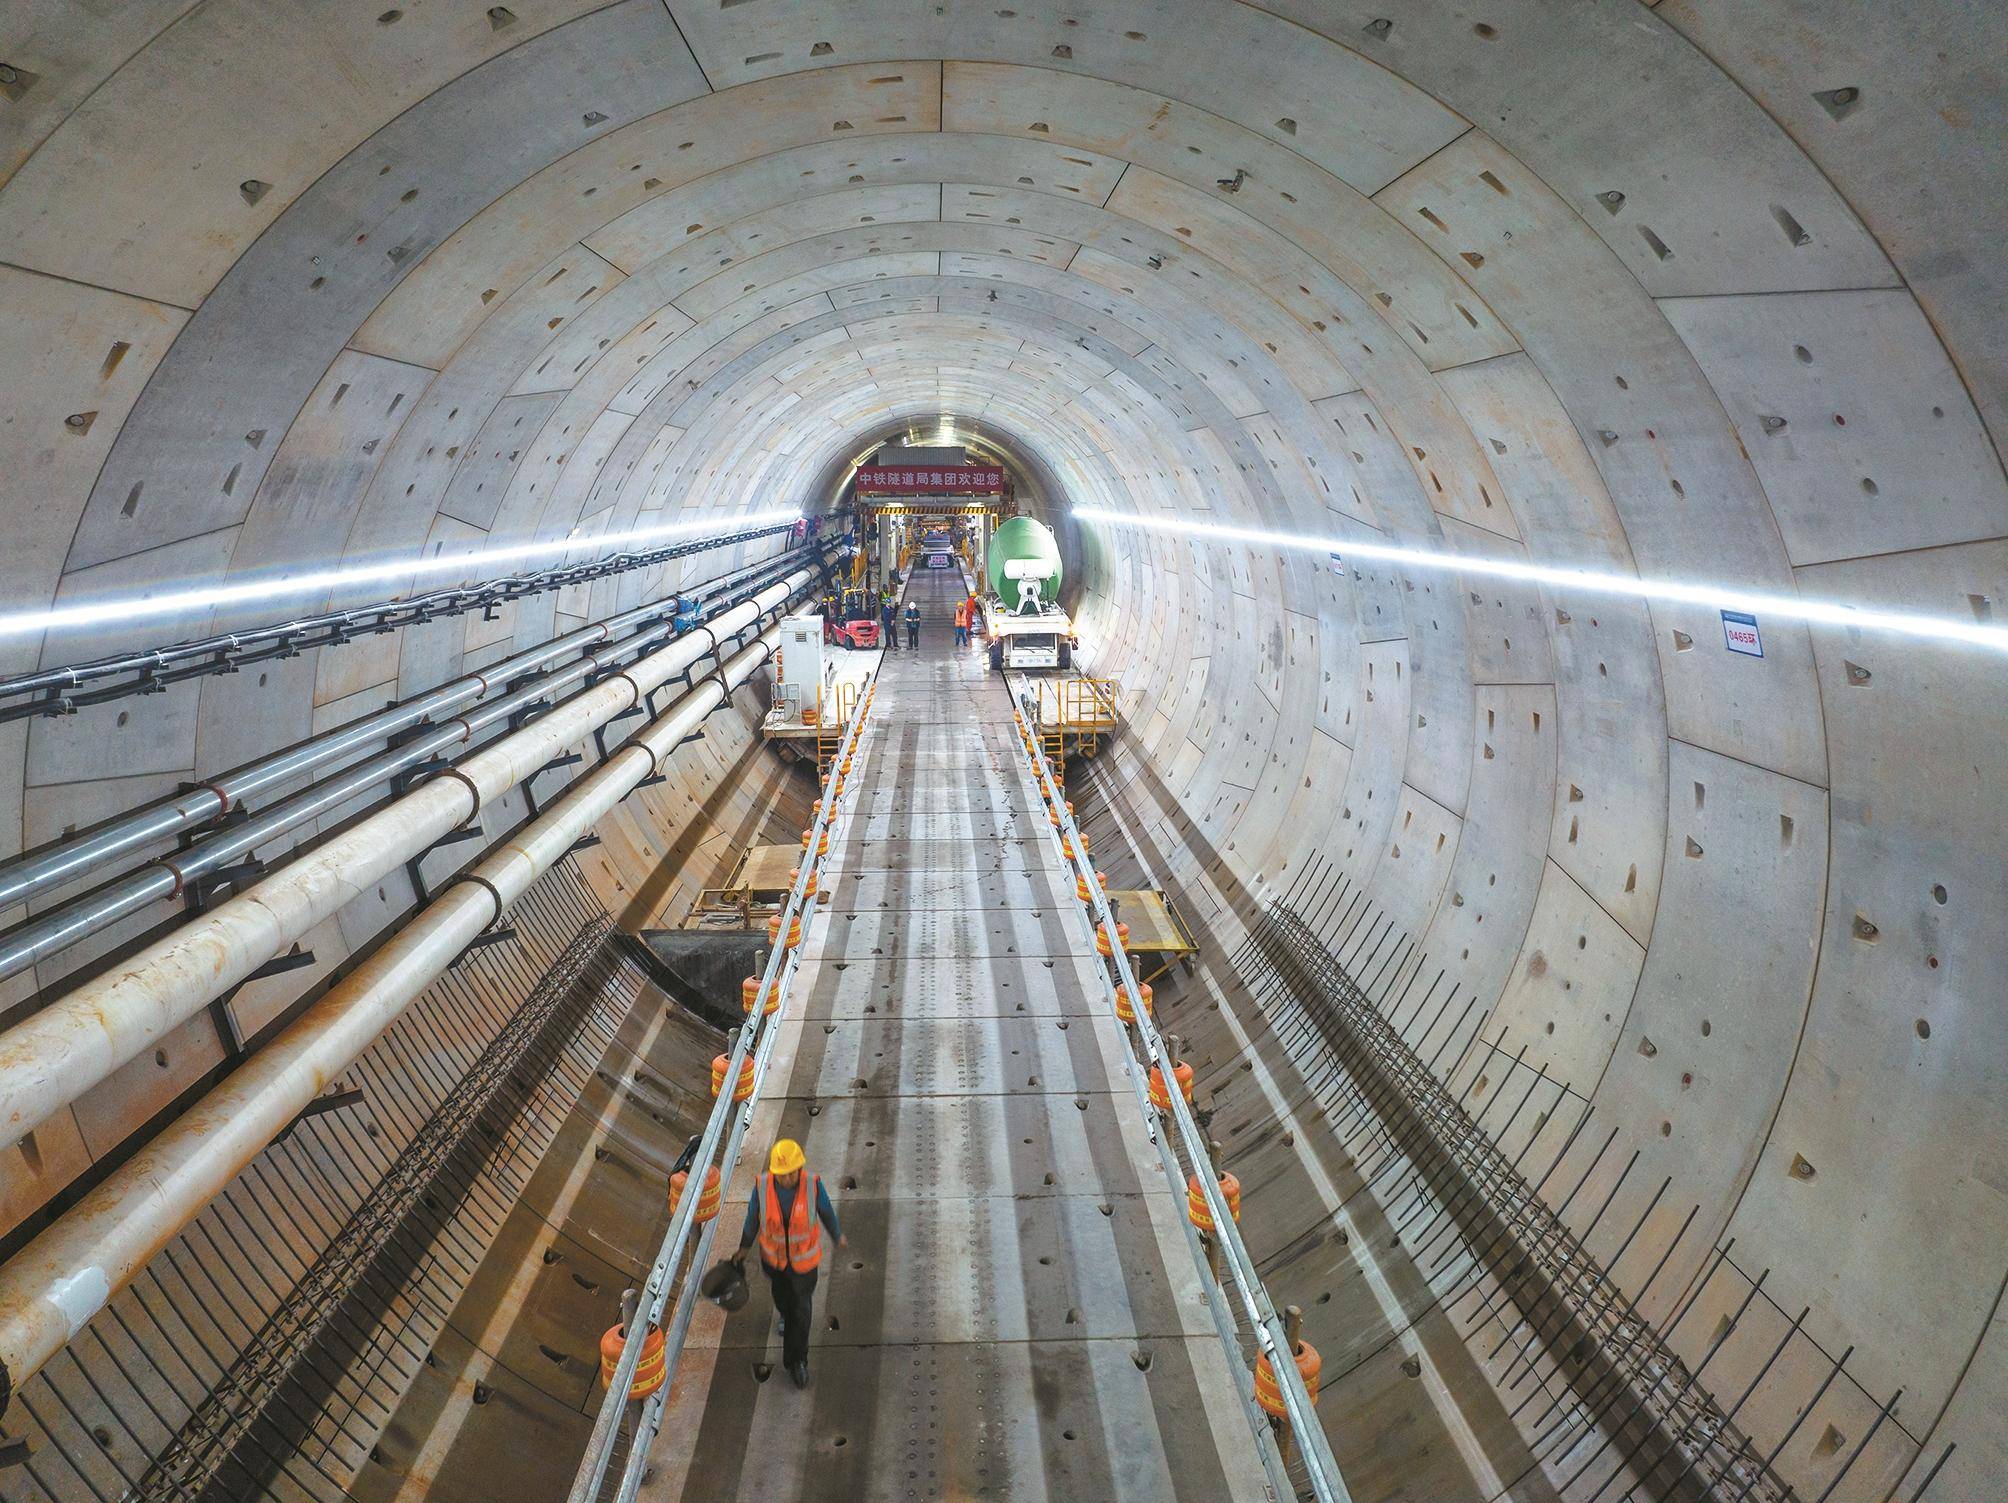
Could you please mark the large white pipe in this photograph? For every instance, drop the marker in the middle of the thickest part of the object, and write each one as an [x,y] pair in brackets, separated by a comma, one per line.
[52,1058]
[53,1287]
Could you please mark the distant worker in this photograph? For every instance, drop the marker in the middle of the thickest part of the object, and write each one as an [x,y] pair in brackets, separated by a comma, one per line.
[961,623]
[786,1216]
[912,628]
[887,615]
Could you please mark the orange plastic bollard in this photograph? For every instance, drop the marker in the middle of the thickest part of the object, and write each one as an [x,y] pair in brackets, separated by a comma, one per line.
[1158,1096]
[794,933]
[1270,1397]
[749,993]
[1197,1208]
[1083,890]
[719,1064]
[795,875]
[1102,946]
[1125,1013]
[822,845]
[708,1199]
[649,1373]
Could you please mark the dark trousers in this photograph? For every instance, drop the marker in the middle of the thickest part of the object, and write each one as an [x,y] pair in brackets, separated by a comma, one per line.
[794,1294]
[913,638]
[887,634]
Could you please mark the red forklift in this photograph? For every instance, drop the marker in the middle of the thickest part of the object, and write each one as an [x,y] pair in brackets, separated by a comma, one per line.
[857,620]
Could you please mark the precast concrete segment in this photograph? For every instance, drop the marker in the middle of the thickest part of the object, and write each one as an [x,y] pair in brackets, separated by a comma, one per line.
[1641,285]
[1018,1314]
[78,1040]
[53,1287]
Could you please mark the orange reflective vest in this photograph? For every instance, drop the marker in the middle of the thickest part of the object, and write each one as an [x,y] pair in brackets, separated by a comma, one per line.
[798,1244]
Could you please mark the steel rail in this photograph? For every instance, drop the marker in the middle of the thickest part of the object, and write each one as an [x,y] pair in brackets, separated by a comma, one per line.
[62,691]
[1320,1465]
[182,871]
[27,876]
[53,1287]
[755,1041]
[58,1053]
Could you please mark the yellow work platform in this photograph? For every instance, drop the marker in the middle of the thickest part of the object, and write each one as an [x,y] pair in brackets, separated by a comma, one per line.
[1156,928]
[1074,715]
[757,887]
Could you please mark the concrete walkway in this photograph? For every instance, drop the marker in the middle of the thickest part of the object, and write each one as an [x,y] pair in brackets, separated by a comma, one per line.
[1017,1315]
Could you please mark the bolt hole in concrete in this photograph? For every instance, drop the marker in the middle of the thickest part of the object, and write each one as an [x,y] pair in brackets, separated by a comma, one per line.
[1923,1028]
[1938,893]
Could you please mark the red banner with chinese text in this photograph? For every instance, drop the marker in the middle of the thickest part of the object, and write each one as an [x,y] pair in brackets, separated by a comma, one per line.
[966,480]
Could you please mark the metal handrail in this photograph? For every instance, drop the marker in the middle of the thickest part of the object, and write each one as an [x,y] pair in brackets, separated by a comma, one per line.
[754,1040]
[1320,1465]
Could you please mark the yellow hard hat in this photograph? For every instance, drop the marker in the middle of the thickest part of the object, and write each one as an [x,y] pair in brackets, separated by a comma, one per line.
[786,1157]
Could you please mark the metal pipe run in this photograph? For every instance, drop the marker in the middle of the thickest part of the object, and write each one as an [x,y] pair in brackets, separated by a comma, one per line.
[28,876]
[54,1286]
[51,1058]
[182,872]
[1270,1335]
[60,691]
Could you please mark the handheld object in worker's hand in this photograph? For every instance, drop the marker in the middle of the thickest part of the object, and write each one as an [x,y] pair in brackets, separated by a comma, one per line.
[725,1285]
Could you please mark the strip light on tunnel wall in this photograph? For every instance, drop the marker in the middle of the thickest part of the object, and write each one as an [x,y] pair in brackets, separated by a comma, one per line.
[124,609]
[1674,592]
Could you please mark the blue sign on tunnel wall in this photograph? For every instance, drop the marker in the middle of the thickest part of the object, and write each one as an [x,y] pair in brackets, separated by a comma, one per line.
[1740,634]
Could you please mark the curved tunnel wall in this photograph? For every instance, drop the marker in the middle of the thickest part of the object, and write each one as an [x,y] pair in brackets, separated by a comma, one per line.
[1701,292]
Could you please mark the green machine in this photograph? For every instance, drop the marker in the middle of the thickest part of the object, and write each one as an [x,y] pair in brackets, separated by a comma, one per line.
[1027,628]
[1024,566]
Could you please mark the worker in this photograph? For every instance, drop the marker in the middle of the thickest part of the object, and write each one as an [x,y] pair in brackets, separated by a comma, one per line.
[886,618]
[961,623]
[912,627]
[787,1215]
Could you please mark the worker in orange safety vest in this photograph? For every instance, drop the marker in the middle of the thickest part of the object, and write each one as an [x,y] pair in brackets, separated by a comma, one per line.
[786,1215]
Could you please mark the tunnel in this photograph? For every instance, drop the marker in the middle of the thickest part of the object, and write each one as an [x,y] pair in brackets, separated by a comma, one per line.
[1506,460]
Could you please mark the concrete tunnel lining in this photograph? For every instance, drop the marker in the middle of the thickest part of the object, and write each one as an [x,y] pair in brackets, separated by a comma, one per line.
[1628,287]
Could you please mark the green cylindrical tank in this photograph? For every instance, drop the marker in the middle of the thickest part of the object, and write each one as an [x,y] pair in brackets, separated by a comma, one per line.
[1021,538]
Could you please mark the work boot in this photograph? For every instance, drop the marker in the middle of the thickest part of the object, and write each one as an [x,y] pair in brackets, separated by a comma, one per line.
[800,1373]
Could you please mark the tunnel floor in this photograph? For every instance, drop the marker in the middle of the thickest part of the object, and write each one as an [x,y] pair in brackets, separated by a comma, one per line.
[1018,1314]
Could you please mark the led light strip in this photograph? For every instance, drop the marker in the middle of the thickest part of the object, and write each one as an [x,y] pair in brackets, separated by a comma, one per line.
[1709,596]
[123,609]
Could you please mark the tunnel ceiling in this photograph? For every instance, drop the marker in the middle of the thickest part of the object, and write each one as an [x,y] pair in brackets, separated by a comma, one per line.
[1698,290]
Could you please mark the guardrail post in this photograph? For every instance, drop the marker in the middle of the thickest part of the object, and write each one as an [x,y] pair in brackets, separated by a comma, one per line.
[1293,1336]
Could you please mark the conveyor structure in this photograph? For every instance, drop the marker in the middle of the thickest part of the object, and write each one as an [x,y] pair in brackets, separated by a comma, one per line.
[1019,1313]
[1488,533]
